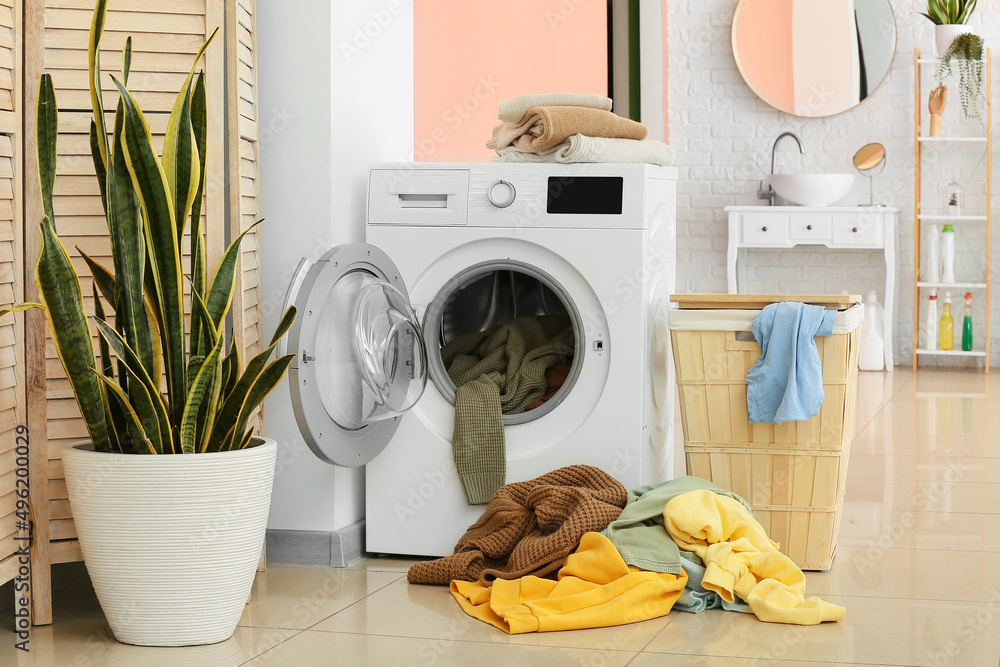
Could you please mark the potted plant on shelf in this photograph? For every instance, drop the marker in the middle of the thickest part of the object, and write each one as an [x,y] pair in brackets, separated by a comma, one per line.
[170,496]
[965,53]
[949,18]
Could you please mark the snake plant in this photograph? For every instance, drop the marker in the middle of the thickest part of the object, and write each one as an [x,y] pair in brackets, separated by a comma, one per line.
[949,12]
[148,201]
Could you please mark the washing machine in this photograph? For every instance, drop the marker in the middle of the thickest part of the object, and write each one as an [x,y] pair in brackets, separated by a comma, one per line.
[453,249]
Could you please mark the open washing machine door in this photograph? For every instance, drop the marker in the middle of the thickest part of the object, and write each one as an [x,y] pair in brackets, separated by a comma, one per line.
[360,361]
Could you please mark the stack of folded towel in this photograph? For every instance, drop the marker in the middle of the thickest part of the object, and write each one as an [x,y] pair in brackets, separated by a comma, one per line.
[570,127]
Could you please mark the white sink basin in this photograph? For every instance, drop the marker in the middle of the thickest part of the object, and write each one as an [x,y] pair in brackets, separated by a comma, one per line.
[812,189]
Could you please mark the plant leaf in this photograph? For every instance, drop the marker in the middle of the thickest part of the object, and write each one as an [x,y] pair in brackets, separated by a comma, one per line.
[103,278]
[180,153]
[150,183]
[126,59]
[112,413]
[102,172]
[260,388]
[138,436]
[46,134]
[230,368]
[106,367]
[199,123]
[138,376]
[159,413]
[154,336]
[232,406]
[209,373]
[63,301]
[27,305]
[220,295]
[128,248]
[180,158]
[94,69]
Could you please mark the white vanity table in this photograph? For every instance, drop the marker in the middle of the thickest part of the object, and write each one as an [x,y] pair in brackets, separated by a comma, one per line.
[836,227]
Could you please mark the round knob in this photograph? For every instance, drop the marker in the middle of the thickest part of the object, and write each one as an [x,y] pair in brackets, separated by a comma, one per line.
[763,229]
[501,194]
[809,227]
[854,229]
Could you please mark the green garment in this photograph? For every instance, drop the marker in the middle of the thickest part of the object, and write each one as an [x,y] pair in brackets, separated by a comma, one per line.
[639,533]
[498,372]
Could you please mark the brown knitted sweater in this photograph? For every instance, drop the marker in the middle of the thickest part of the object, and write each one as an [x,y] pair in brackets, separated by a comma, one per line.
[529,528]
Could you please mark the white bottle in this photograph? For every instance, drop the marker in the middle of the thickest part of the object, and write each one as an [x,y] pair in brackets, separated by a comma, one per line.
[870,356]
[932,322]
[933,256]
[948,254]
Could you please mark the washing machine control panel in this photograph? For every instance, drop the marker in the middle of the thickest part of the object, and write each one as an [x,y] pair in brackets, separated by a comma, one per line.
[501,193]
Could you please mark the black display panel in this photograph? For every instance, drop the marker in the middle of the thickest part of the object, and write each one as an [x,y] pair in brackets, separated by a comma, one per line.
[585,195]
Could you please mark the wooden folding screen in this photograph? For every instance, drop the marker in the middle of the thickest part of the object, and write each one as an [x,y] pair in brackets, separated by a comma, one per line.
[241,74]
[12,400]
[165,38]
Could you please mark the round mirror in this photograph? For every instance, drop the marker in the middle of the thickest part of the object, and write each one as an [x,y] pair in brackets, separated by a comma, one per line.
[870,161]
[813,58]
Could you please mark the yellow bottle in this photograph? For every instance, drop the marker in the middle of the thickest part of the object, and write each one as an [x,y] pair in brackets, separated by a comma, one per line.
[947,326]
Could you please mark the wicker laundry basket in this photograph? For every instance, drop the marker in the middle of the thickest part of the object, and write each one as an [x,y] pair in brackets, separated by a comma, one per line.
[793,475]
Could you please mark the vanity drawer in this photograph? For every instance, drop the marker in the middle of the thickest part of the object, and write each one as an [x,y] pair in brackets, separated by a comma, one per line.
[858,230]
[766,229]
[810,228]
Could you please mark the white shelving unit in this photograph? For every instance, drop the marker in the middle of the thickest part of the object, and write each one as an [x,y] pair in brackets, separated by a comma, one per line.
[920,217]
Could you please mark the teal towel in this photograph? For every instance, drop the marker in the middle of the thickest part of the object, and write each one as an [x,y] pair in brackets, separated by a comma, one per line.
[639,533]
[696,597]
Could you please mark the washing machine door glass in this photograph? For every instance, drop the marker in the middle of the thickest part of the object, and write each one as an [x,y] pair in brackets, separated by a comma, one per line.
[359,361]
[369,352]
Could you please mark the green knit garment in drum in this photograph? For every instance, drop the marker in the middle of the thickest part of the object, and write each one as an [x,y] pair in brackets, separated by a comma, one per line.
[498,372]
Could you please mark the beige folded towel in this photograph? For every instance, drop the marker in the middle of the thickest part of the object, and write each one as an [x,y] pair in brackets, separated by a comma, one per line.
[579,148]
[544,127]
[513,110]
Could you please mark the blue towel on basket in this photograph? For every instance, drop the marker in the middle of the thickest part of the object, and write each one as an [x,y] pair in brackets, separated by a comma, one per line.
[786,383]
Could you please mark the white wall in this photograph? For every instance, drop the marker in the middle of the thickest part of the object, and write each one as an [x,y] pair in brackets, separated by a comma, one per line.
[336,94]
[723,136]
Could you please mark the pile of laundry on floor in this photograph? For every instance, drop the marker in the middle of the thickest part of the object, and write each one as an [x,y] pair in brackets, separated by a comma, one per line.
[571,550]
[571,127]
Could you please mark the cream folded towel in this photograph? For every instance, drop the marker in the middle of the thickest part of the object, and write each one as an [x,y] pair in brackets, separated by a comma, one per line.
[544,127]
[580,148]
[513,110]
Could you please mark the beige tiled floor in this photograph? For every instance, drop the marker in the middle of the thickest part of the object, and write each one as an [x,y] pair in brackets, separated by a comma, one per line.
[918,569]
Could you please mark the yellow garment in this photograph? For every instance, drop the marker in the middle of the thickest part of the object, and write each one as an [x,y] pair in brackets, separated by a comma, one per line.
[739,558]
[595,589]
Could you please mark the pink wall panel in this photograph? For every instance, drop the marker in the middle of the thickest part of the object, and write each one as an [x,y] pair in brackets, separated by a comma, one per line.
[468,56]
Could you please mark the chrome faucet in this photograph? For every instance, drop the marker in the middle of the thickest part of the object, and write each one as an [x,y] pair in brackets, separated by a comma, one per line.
[770,194]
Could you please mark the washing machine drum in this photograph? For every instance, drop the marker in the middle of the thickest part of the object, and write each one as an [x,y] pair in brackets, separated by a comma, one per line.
[360,360]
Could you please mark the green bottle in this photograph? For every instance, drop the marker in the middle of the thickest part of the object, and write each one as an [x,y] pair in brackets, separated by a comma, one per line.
[967,323]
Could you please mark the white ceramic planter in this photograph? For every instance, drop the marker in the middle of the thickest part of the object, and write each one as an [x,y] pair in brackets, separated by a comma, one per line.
[171,542]
[944,35]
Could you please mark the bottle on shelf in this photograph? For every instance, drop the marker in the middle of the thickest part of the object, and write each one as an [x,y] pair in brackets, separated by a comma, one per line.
[932,321]
[948,254]
[933,256]
[967,323]
[955,196]
[946,328]
[871,356]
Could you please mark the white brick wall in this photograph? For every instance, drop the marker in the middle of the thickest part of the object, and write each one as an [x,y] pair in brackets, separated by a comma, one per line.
[723,135]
